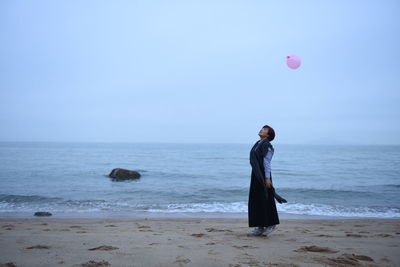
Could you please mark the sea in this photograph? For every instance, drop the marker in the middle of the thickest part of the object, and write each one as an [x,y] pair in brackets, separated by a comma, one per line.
[70,179]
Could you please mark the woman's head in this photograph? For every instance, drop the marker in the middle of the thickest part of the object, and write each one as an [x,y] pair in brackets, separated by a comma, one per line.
[267,132]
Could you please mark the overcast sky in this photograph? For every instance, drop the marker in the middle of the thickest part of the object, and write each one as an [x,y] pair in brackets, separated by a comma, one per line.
[200,71]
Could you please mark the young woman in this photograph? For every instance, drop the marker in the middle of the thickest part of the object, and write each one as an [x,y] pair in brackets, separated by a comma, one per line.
[262,211]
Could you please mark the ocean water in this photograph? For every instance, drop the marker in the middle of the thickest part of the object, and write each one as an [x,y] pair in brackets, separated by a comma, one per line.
[64,178]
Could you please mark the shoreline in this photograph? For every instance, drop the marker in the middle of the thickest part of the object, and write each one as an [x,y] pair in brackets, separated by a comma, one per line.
[44,241]
[144,214]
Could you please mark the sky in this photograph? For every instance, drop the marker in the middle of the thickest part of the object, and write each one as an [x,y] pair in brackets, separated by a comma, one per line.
[200,71]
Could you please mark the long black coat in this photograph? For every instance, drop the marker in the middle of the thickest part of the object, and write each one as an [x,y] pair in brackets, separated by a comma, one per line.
[261,207]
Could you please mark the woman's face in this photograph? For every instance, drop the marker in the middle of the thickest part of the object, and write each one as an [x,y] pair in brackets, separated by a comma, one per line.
[263,133]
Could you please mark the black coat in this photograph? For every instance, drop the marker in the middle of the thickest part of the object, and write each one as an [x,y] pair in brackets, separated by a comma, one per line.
[261,206]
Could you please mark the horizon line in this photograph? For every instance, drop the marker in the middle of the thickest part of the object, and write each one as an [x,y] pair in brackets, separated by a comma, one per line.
[204,143]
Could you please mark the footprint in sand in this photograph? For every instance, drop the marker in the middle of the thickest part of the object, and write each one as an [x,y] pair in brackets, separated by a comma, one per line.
[217,230]
[145,228]
[75,226]
[358,257]
[110,225]
[315,249]
[383,235]
[198,235]
[323,235]
[243,247]
[210,243]
[8,227]
[104,248]
[181,261]
[38,247]
[92,263]
[251,262]
[346,260]
[355,235]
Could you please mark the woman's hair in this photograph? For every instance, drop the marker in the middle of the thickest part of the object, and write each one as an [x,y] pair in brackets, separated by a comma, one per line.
[271,132]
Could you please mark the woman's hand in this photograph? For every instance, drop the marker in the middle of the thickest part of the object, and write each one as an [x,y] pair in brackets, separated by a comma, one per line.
[268,182]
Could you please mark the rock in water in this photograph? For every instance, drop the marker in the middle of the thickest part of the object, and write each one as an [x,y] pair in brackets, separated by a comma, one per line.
[119,174]
[42,213]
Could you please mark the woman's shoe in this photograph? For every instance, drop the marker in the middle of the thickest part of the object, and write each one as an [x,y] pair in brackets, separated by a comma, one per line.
[256,232]
[270,229]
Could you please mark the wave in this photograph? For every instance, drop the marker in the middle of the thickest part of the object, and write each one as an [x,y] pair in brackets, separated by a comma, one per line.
[30,203]
[232,207]
[294,208]
[62,205]
[26,198]
[339,210]
[367,189]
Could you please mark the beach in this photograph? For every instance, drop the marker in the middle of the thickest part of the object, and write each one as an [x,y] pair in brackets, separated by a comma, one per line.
[46,241]
[193,211]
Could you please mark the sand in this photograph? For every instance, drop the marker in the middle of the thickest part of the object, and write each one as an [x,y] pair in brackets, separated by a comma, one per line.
[197,242]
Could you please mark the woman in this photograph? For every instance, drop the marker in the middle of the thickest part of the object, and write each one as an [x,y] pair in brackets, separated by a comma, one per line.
[262,211]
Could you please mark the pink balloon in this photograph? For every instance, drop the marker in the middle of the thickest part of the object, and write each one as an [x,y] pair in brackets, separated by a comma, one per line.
[293,61]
